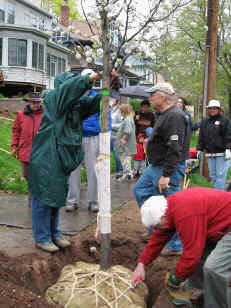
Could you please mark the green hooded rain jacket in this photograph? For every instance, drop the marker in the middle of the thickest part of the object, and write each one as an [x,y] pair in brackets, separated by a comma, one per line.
[56,150]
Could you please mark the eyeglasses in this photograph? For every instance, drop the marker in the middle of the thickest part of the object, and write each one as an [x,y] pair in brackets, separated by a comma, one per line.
[213,108]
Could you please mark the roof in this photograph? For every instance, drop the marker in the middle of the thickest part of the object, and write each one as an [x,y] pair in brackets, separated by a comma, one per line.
[35,7]
[59,47]
[13,27]
[84,30]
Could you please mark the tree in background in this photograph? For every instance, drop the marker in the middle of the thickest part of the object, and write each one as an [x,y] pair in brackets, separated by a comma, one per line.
[55,5]
[180,51]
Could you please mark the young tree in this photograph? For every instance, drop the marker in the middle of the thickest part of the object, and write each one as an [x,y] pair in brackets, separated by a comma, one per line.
[117,20]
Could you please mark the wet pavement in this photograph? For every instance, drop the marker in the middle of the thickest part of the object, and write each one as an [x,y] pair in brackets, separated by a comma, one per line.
[15,217]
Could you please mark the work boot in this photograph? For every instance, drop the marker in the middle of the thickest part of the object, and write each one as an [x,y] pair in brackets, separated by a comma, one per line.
[93,207]
[61,242]
[170,253]
[71,207]
[197,296]
[118,175]
[48,247]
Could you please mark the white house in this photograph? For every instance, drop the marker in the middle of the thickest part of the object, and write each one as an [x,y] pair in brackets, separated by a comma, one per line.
[28,58]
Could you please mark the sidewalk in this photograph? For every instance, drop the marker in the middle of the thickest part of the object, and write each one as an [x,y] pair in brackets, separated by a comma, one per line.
[15,222]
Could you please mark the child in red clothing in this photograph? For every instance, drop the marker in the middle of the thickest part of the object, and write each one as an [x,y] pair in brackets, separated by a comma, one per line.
[139,157]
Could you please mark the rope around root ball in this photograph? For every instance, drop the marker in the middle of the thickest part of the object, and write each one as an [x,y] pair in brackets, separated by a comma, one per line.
[99,278]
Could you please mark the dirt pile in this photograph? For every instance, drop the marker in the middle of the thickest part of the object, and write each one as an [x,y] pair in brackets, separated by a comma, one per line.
[24,279]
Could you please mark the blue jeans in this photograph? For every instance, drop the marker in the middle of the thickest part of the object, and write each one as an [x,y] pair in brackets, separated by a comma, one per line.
[147,186]
[218,169]
[119,168]
[45,220]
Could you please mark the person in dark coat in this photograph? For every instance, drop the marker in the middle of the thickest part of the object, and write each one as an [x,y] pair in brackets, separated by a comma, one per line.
[215,140]
[144,117]
[167,152]
[24,130]
[56,152]
[181,103]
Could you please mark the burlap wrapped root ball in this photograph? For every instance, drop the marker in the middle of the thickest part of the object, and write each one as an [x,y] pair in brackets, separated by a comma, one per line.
[85,285]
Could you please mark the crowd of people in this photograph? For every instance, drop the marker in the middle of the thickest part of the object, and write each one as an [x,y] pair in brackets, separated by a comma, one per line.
[52,141]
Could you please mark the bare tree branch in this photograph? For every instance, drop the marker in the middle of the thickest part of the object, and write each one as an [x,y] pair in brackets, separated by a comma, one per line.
[87,18]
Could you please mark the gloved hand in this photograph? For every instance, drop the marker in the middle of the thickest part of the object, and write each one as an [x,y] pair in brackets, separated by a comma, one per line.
[172,281]
[138,275]
[227,154]
[199,154]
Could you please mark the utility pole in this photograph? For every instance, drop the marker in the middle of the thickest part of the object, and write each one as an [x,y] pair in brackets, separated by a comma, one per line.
[210,64]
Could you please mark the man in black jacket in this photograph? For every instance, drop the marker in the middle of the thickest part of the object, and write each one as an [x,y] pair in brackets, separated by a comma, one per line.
[167,150]
[215,140]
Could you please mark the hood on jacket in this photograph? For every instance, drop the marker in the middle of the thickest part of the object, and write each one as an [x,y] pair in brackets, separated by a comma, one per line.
[28,111]
[61,78]
[140,136]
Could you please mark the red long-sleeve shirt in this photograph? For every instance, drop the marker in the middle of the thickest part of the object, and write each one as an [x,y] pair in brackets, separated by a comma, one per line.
[198,215]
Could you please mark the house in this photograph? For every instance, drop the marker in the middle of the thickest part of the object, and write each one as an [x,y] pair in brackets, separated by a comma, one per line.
[29,60]
[82,35]
[142,68]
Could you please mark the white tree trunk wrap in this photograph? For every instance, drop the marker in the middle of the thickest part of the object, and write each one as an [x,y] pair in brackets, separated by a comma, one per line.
[104,190]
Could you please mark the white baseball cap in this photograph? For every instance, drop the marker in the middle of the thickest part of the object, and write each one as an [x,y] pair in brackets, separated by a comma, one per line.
[214,103]
[152,210]
[162,87]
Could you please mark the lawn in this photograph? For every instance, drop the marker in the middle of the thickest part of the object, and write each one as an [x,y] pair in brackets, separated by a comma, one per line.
[10,171]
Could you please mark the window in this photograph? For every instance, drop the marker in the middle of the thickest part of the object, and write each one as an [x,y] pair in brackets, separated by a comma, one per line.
[1,51]
[41,23]
[63,65]
[51,65]
[2,16]
[37,55]
[48,64]
[55,65]
[11,14]
[34,54]
[59,65]
[41,57]
[17,52]
[97,84]
[34,21]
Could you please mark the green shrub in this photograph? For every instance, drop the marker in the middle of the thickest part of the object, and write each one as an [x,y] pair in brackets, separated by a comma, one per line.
[136,104]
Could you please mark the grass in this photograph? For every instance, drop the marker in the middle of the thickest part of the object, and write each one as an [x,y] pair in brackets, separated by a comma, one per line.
[10,171]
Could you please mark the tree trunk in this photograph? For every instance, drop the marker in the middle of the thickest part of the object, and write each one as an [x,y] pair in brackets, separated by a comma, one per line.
[229,102]
[210,66]
[104,158]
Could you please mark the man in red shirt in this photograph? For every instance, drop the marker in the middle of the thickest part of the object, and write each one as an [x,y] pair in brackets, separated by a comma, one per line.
[202,218]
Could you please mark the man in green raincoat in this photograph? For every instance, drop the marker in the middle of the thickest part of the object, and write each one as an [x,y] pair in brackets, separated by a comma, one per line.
[56,152]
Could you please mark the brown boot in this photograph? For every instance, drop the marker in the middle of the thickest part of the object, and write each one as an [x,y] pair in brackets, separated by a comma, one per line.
[48,247]
[61,242]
